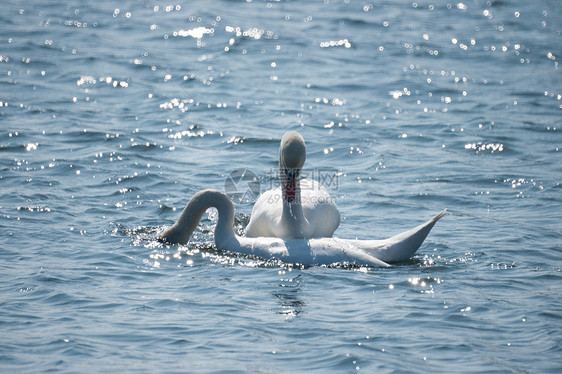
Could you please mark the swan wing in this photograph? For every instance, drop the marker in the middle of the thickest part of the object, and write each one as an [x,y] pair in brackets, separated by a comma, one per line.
[319,209]
[265,215]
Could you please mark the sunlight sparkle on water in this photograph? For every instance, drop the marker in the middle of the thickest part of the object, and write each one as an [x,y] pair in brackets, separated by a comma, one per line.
[336,43]
[479,147]
[417,107]
[196,33]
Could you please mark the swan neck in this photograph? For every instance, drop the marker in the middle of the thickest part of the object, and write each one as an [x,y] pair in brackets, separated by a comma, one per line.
[292,213]
[290,186]
[191,215]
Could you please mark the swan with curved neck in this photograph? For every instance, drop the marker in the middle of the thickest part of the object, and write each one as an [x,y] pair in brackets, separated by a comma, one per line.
[298,208]
[320,251]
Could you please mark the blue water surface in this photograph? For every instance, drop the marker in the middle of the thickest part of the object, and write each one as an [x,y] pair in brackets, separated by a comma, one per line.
[113,114]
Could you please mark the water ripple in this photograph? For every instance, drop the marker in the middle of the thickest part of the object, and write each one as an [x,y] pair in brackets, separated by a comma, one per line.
[113,116]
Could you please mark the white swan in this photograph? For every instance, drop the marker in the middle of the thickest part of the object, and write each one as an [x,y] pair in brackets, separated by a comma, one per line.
[321,251]
[297,208]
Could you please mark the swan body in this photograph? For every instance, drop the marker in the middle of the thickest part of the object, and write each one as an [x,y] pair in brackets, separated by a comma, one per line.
[298,208]
[314,251]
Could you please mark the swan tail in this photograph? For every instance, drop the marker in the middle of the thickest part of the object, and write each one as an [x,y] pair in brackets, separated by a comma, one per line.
[400,247]
[403,246]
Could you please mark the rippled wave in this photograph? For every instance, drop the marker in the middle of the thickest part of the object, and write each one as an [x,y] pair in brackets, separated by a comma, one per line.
[113,115]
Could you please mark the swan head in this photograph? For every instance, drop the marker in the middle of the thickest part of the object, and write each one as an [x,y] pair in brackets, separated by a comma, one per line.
[292,155]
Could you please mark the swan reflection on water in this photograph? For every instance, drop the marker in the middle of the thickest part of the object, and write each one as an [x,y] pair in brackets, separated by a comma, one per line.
[288,298]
